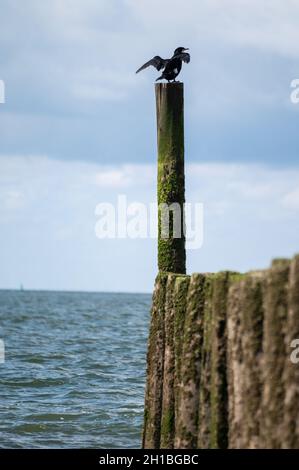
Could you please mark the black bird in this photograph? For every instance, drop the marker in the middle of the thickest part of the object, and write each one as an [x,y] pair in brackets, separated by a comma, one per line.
[171,67]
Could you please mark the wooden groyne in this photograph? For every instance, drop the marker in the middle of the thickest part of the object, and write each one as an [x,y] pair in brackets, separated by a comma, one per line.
[219,368]
[219,372]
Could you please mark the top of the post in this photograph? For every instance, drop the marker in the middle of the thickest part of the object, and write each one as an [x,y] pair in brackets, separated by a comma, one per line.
[169,86]
[169,96]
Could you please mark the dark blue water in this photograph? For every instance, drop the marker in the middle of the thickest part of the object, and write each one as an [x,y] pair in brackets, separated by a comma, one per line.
[74,369]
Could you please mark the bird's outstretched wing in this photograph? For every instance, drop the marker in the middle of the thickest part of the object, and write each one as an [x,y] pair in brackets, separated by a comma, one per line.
[156,62]
[184,56]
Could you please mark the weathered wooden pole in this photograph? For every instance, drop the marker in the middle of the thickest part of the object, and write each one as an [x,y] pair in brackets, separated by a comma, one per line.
[171,177]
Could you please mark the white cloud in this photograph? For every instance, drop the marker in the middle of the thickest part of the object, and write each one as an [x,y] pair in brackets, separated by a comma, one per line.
[98,84]
[126,176]
[291,199]
[112,179]
[70,73]
[88,50]
[251,215]
[12,200]
[270,26]
[245,183]
[31,178]
[74,57]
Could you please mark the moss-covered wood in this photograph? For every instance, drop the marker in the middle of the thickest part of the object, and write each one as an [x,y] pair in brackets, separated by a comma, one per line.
[245,336]
[180,305]
[274,347]
[222,361]
[290,429]
[219,406]
[167,419]
[187,412]
[204,413]
[171,178]
[213,406]
[155,365]
[235,371]
[252,318]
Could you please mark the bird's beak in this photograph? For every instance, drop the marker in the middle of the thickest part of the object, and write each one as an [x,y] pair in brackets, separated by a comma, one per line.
[186,48]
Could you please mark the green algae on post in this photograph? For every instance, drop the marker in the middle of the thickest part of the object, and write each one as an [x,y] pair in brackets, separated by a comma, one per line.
[171,177]
[187,412]
[167,419]
[155,365]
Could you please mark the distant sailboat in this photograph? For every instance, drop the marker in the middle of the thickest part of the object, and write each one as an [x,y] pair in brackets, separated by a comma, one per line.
[21,287]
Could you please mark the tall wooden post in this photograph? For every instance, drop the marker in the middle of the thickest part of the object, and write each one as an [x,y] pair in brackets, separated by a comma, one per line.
[171,177]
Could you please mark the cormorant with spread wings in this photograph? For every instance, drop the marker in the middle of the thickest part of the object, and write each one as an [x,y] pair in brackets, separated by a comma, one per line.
[170,67]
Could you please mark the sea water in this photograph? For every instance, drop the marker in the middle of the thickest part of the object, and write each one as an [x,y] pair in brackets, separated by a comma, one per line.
[74,370]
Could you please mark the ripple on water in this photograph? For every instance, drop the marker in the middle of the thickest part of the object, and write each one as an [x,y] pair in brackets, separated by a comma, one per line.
[75,369]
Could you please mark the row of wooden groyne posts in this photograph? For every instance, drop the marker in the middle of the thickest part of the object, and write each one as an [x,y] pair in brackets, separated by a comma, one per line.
[220,372]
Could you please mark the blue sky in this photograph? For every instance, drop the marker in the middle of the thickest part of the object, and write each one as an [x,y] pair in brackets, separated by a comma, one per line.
[78,128]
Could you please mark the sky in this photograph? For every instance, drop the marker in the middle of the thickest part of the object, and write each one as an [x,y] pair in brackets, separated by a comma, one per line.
[78,128]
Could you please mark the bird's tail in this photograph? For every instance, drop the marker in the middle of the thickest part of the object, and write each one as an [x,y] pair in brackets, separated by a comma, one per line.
[159,78]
